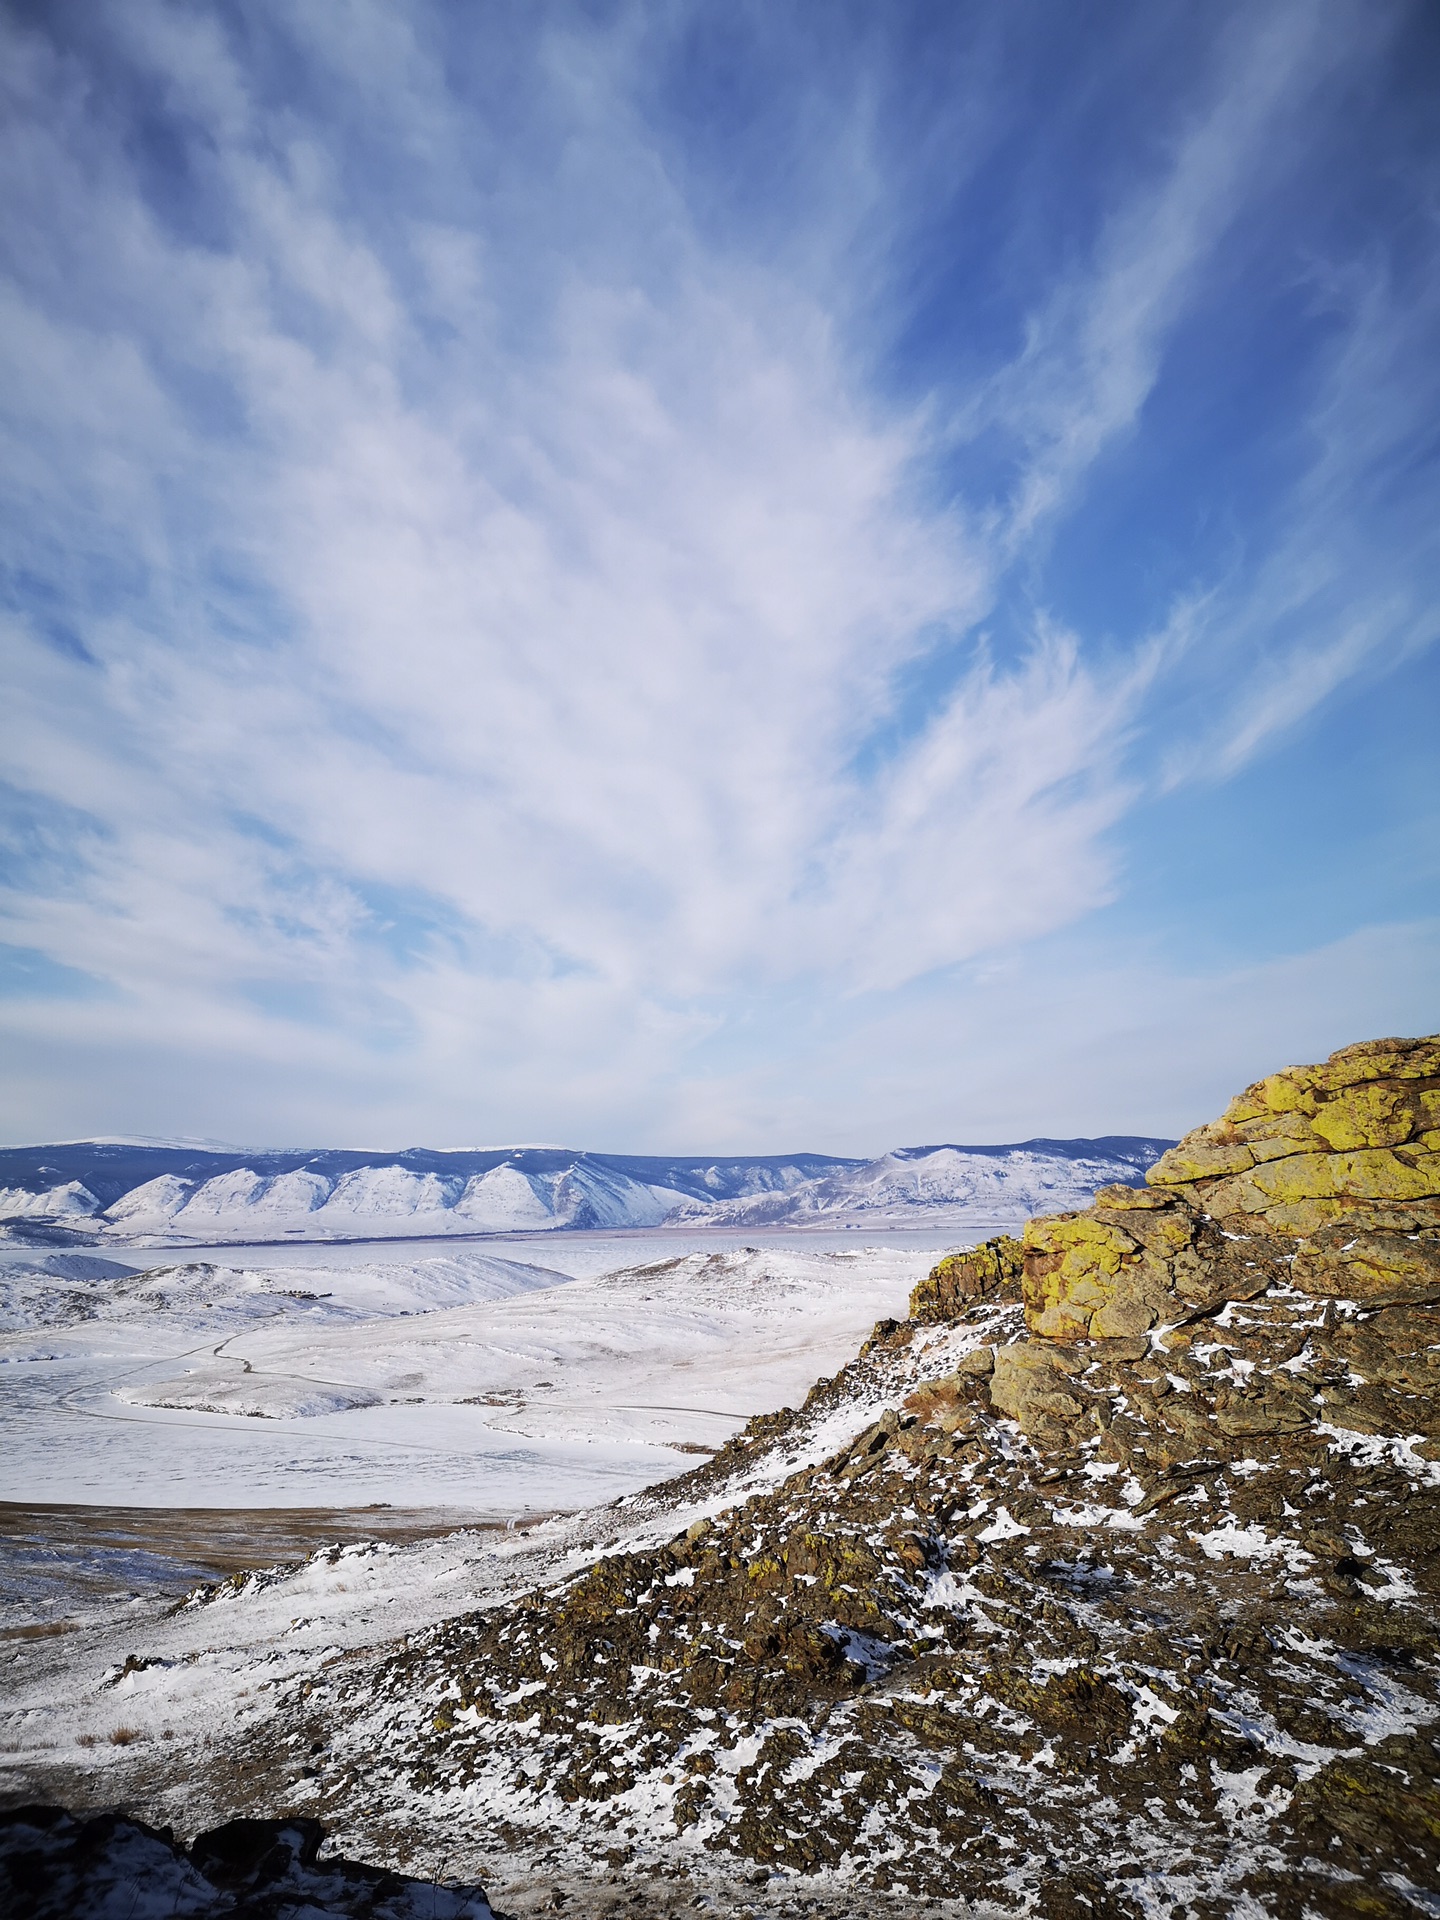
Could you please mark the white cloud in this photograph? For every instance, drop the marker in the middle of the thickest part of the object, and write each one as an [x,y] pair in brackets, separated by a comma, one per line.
[1065,1039]
[494,588]
[1346,586]
[1093,349]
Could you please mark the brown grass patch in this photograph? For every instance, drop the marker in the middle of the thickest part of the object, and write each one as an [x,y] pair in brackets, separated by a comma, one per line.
[931,1402]
[123,1736]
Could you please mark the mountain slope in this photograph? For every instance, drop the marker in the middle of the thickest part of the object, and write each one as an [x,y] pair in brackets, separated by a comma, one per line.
[925,1186]
[1129,1595]
[1105,1585]
[142,1194]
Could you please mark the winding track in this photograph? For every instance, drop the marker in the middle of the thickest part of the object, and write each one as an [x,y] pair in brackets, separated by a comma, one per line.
[284,1430]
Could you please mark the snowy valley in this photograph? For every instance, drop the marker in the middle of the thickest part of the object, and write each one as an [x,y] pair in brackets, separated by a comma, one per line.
[421,1378]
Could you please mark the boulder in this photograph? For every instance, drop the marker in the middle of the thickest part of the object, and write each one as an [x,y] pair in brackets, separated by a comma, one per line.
[1104,1273]
[1326,1176]
[1032,1384]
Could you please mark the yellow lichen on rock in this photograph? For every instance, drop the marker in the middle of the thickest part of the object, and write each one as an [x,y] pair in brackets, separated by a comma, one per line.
[961,1278]
[1273,1139]
[1207,1154]
[1378,1060]
[1086,1276]
[1031,1384]
[1306,1147]
[1285,1092]
[1374,1114]
[1297,1176]
[1302,1216]
[1334,1167]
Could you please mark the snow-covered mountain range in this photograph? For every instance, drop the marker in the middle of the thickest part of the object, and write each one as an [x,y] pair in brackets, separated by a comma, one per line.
[88,1191]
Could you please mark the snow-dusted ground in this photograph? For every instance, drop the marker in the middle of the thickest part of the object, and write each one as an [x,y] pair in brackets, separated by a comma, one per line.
[432,1377]
[458,1379]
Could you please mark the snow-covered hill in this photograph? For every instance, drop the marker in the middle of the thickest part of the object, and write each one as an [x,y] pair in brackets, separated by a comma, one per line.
[443,1377]
[935,1186]
[141,1194]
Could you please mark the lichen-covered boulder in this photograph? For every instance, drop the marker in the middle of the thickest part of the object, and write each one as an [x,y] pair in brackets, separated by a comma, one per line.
[1311,1147]
[989,1271]
[1134,1258]
[1104,1273]
[1031,1383]
[1325,1176]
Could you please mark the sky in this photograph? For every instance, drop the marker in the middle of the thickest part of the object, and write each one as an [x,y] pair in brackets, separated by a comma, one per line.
[709,576]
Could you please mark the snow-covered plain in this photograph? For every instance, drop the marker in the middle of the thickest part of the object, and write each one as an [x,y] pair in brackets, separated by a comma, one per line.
[459,1378]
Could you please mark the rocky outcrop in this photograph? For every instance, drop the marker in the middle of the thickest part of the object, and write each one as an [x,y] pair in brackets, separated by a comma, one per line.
[990,1271]
[1098,1627]
[1324,1177]
[1355,1138]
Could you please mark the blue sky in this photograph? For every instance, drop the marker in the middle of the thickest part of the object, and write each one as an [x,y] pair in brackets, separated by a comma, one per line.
[695,576]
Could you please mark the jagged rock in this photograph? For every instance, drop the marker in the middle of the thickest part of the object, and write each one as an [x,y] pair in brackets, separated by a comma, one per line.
[1382,1269]
[54,1866]
[1391,1348]
[989,1271]
[1087,1712]
[1328,1175]
[1383,1806]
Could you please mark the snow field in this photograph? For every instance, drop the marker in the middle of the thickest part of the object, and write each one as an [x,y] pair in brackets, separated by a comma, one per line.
[452,1379]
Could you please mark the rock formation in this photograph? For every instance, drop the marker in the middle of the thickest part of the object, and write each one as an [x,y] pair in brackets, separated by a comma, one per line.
[1327,1177]
[54,1867]
[989,1271]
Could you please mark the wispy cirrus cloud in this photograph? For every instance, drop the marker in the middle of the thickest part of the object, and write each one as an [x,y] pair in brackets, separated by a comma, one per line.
[458,586]
[1344,585]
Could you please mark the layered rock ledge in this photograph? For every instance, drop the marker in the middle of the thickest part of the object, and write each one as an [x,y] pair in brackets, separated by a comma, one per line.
[1325,1177]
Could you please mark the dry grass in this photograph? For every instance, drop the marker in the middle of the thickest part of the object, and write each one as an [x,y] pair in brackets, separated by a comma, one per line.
[123,1736]
[931,1402]
[87,1739]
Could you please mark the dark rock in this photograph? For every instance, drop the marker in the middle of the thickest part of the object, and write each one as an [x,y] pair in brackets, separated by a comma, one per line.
[54,1866]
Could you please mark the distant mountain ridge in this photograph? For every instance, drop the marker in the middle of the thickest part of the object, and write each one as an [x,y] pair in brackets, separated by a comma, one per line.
[121,1191]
